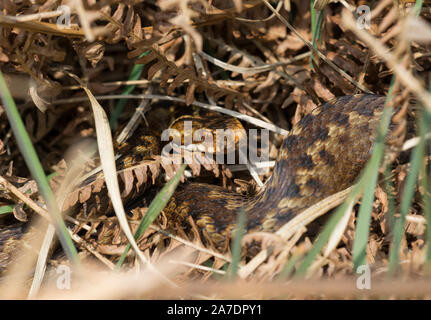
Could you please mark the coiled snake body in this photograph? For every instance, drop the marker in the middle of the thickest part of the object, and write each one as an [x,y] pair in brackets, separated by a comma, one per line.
[322,155]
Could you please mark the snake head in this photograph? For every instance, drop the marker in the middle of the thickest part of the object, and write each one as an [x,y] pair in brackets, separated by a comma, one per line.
[213,134]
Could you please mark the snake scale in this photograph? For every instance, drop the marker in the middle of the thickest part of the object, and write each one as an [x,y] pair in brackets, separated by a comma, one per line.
[322,155]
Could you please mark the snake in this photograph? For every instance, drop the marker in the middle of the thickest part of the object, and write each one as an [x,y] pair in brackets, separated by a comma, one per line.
[323,154]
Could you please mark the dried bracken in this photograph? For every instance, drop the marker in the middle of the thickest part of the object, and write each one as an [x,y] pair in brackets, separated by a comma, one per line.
[260,60]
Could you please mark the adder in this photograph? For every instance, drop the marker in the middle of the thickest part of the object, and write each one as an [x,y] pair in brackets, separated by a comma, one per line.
[323,154]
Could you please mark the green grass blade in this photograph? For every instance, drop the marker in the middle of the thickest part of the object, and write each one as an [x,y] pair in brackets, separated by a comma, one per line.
[427,201]
[31,159]
[236,245]
[418,7]
[313,19]
[316,28]
[389,189]
[135,74]
[364,217]
[156,206]
[4,210]
[408,192]
[370,177]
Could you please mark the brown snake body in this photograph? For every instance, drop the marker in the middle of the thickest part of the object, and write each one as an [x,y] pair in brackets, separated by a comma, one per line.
[323,154]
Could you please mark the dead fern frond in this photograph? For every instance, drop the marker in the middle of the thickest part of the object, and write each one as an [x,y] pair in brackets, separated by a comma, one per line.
[180,75]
